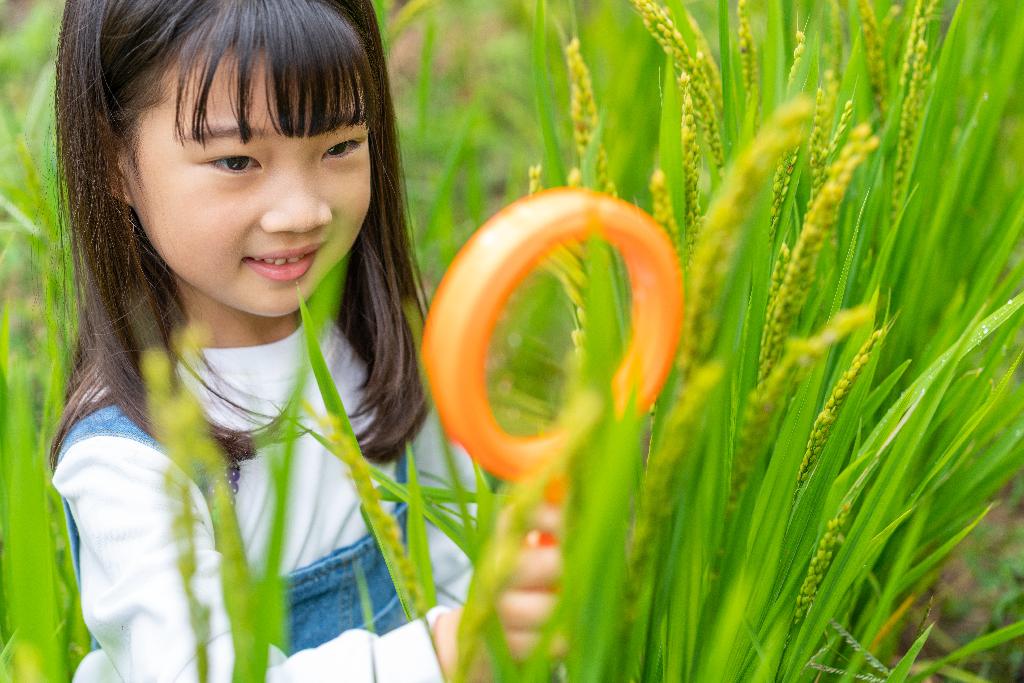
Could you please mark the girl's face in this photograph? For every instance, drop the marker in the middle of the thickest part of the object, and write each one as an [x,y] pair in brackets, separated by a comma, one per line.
[215,214]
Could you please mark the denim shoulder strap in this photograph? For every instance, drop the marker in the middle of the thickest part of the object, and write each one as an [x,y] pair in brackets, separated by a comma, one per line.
[108,421]
[331,594]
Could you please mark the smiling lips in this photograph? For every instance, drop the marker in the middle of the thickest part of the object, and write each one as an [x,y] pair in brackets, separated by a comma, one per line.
[285,266]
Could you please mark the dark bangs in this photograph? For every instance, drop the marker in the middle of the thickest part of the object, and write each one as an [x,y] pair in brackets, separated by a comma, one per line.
[317,72]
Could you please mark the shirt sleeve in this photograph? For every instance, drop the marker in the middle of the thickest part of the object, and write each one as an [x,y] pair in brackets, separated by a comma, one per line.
[132,595]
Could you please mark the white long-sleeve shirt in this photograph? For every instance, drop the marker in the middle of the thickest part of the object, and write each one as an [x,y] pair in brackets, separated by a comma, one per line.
[132,596]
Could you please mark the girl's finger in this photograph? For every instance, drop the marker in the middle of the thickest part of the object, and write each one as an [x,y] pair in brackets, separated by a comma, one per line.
[522,644]
[524,610]
[539,568]
[548,518]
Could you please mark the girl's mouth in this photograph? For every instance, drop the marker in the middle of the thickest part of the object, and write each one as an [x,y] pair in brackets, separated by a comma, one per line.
[281,270]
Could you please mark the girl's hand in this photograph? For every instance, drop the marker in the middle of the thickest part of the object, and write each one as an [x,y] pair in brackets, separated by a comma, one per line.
[526,603]
[528,600]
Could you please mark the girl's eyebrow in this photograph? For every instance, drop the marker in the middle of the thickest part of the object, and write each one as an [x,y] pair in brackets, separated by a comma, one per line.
[231,131]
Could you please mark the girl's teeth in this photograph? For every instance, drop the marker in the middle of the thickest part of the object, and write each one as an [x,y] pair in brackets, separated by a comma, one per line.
[282,261]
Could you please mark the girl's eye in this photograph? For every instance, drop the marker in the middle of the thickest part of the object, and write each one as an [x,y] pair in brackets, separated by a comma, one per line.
[233,164]
[342,148]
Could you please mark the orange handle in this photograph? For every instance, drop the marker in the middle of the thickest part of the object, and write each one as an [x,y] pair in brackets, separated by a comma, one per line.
[470,298]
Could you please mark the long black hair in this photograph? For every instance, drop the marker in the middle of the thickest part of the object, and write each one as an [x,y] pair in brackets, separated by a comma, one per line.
[324,66]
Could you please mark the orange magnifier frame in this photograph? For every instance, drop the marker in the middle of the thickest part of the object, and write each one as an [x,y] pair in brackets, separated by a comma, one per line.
[484,274]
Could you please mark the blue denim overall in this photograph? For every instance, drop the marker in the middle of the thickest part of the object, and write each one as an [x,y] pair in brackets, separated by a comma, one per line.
[323,597]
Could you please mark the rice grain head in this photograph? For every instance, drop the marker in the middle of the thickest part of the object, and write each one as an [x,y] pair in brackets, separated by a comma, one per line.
[500,553]
[180,425]
[910,117]
[874,54]
[172,416]
[535,179]
[837,39]
[767,397]
[583,110]
[659,24]
[748,54]
[384,525]
[660,479]
[828,545]
[778,272]
[798,54]
[844,122]
[691,167]
[821,129]
[918,24]
[663,212]
[780,190]
[818,222]
[717,241]
[704,56]
[823,424]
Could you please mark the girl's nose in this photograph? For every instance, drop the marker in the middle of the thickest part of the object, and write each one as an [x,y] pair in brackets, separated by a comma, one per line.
[297,211]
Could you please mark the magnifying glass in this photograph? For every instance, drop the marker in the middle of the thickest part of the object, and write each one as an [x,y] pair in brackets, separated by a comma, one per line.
[489,268]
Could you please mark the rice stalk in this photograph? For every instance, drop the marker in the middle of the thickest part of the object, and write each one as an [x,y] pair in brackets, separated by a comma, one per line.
[915,33]
[784,171]
[662,210]
[828,544]
[910,115]
[566,262]
[890,20]
[179,424]
[183,529]
[798,54]
[748,54]
[818,223]
[705,58]
[691,167]
[836,38]
[913,75]
[717,241]
[821,127]
[766,398]
[780,190]
[825,420]
[778,274]
[857,647]
[383,525]
[584,113]
[28,665]
[874,55]
[661,480]
[501,550]
[659,24]
[844,122]
[535,179]
[575,178]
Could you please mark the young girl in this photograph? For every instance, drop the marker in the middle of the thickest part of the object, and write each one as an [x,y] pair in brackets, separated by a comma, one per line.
[218,156]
